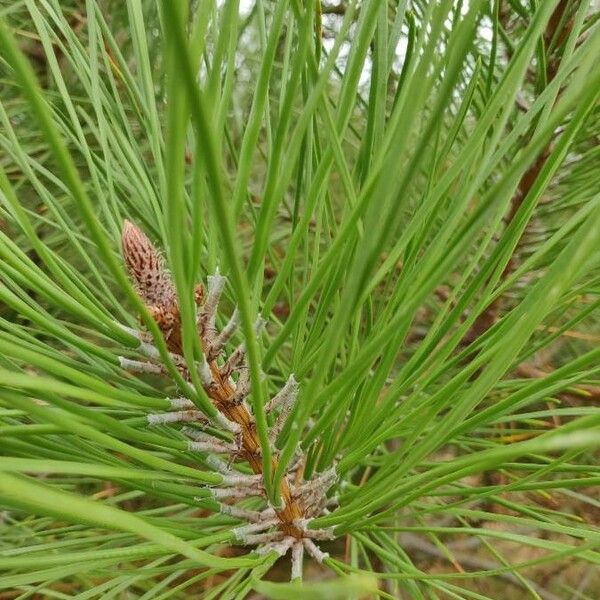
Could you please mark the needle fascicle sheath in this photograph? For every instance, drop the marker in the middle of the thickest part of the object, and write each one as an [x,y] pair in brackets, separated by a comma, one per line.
[297,559]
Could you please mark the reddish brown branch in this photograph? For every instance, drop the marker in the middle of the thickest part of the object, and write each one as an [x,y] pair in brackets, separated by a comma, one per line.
[492,312]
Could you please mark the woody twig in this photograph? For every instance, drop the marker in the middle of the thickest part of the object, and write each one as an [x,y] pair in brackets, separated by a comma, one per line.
[225,381]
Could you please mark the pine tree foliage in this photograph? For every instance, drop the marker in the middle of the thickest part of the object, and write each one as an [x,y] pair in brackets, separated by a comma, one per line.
[301,291]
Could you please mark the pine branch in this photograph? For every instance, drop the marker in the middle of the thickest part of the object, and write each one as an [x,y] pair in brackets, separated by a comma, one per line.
[278,528]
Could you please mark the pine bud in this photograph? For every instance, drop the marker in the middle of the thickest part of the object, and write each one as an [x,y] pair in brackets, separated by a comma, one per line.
[146,268]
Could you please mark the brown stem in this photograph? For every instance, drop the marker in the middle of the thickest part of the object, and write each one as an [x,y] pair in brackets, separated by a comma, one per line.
[223,396]
[491,313]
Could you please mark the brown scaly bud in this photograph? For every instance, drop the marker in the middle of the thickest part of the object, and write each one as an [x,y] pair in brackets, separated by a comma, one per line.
[146,267]
[153,283]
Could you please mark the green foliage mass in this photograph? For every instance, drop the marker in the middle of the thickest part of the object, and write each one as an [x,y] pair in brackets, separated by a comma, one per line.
[406,191]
